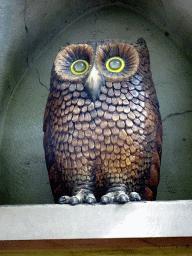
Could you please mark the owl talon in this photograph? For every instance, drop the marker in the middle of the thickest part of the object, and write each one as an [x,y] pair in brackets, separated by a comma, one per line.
[121,197]
[108,198]
[64,200]
[90,199]
[134,196]
[74,200]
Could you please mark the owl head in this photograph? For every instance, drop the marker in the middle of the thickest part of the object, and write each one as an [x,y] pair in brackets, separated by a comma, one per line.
[97,62]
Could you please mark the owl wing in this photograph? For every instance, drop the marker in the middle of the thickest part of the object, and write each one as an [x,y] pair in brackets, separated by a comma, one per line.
[49,155]
[154,173]
[55,175]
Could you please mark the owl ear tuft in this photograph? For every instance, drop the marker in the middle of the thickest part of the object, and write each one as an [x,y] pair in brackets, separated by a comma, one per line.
[142,48]
[141,42]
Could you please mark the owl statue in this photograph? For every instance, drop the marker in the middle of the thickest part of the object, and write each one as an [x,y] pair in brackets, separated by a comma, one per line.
[102,126]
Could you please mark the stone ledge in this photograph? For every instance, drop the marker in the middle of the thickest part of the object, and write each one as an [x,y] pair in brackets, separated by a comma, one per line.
[133,220]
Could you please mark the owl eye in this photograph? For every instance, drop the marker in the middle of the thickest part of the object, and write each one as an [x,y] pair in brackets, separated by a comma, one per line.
[115,64]
[79,67]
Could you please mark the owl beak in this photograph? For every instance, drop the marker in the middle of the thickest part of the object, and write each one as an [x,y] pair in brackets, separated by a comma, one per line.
[93,83]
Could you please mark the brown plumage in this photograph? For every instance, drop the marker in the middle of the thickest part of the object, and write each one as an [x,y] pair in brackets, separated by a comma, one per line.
[102,126]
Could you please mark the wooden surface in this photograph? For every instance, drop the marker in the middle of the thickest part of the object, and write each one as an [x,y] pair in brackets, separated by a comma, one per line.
[124,246]
[184,242]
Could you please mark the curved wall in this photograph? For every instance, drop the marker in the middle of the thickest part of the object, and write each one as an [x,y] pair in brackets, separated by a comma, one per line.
[32,34]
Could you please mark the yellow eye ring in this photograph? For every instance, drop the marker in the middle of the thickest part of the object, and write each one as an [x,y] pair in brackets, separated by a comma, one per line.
[79,67]
[115,64]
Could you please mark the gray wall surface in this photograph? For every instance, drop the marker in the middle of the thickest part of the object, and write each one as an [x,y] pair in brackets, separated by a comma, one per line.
[32,34]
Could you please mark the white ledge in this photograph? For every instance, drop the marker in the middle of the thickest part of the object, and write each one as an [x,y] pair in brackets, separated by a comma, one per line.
[133,220]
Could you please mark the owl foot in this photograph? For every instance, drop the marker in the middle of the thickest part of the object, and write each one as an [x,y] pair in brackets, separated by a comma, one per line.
[81,197]
[118,196]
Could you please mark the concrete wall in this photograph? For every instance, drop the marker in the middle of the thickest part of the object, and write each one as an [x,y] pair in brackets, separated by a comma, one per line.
[32,34]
